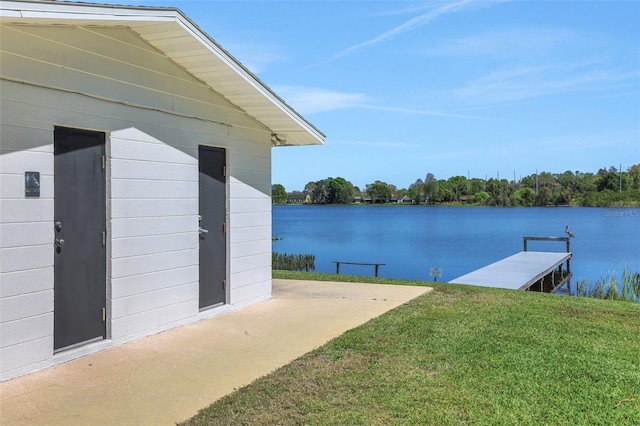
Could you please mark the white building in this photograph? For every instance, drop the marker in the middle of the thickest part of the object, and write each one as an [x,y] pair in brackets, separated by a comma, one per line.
[135,167]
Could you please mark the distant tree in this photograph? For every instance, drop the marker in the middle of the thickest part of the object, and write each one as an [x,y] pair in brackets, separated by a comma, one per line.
[563,198]
[445,193]
[544,196]
[500,191]
[320,192]
[634,175]
[331,191]
[609,187]
[278,194]
[482,197]
[380,192]
[626,182]
[308,190]
[524,197]
[430,188]
[341,191]
[458,185]
[477,185]
[416,191]
[607,179]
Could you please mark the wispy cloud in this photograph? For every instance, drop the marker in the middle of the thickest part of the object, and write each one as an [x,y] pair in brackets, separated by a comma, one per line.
[410,25]
[309,100]
[530,81]
[256,57]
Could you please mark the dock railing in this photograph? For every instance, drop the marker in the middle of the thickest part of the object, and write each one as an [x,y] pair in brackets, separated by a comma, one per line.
[566,239]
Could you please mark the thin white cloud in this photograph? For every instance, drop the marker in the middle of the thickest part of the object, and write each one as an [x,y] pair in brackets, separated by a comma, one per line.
[309,100]
[256,57]
[530,81]
[410,25]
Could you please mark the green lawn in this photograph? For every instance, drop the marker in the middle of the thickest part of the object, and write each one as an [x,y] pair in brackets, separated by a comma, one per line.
[459,355]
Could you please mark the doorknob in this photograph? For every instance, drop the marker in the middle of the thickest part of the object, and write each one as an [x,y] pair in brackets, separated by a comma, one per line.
[59,242]
[201,230]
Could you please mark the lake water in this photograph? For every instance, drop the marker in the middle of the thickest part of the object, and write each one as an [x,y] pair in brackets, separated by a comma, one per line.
[412,239]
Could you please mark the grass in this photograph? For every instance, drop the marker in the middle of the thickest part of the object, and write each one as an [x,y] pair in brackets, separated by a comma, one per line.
[459,355]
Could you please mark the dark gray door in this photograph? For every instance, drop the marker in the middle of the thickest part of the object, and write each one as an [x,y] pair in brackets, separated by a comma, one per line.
[79,227]
[213,259]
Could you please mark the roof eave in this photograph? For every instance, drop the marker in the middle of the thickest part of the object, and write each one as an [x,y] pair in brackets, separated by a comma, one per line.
[245,90]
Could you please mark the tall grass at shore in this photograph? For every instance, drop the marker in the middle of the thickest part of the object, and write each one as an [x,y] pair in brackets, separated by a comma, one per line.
[293,262]
[610,288]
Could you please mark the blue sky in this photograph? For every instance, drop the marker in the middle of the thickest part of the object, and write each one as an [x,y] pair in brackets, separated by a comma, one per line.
[463,87]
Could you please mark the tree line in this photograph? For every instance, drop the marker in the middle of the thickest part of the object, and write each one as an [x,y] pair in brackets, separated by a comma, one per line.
[606,188]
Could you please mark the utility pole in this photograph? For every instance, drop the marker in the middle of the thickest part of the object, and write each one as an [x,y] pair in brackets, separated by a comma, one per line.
[536,181]
[620,171]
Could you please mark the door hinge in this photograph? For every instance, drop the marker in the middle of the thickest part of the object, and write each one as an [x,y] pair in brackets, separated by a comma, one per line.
[224,170]
[104,162]
[224,284]
[224,227]
[104,238]
[104,314]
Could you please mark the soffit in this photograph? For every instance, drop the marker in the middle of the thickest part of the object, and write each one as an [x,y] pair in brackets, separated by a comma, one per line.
[172,33]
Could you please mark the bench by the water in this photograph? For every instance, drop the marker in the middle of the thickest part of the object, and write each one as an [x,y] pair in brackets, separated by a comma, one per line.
[527,270]
[377,265]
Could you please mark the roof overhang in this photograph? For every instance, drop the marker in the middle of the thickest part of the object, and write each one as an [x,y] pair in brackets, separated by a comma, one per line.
[172,33]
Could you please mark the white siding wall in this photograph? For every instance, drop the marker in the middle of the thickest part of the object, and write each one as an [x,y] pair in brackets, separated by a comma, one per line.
[154,115]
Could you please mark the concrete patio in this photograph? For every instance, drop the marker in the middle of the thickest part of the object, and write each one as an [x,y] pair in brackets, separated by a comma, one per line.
[168,377]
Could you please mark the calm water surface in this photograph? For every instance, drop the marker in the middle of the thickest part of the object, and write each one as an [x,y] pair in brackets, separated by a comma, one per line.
[412,239]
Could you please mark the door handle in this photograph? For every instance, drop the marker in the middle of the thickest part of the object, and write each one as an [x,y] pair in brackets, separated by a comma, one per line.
[201,230]
[59,242]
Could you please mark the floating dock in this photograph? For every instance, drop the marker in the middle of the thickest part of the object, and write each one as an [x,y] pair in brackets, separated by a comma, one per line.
[527,270]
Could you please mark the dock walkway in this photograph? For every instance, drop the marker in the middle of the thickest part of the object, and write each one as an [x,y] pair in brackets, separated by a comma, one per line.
[527,270]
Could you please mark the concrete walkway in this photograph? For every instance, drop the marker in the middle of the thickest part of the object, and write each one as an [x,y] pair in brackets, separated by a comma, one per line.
[168,377]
